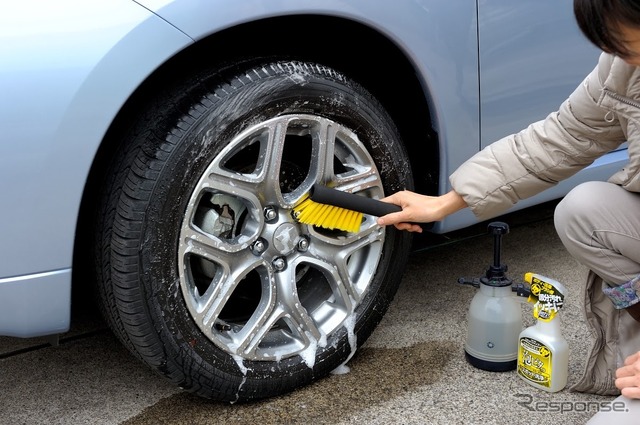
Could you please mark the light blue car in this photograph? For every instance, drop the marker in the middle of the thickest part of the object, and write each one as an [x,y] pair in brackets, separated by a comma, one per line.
[154,149]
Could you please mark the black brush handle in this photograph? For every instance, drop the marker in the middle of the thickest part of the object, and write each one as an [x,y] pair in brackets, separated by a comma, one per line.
[349,201]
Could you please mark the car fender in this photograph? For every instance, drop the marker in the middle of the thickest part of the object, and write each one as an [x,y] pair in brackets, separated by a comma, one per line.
[438,38]
[62,84]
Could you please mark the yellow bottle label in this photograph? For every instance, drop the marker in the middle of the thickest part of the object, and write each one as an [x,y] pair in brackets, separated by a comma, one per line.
[534,361]
[546,297]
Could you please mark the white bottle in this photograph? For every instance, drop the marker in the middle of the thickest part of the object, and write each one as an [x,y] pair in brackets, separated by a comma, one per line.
[494,323]
[543,353]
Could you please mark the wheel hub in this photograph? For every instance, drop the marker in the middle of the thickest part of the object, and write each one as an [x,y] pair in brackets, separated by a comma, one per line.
[285,238]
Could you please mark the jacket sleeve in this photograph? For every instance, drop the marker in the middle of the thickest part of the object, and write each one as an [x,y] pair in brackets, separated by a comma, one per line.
[538,157]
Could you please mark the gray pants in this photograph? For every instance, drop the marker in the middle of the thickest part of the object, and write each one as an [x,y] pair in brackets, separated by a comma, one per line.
[599,224]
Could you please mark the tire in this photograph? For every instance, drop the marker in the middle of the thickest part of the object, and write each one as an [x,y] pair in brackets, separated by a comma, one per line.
[204,274]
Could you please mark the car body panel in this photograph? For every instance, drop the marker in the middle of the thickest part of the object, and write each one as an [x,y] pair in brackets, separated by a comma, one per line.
[66,70]
[62,83]
[35,305]
[61,92]
[532,55]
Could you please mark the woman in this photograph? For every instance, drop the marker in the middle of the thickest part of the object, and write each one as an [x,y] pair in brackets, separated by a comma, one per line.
[598,222]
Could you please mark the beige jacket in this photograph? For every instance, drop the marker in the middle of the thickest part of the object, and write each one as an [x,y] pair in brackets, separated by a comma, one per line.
[600,115]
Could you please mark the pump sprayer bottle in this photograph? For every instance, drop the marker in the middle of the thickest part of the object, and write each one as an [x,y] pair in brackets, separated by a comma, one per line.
[543,353]
[495,315]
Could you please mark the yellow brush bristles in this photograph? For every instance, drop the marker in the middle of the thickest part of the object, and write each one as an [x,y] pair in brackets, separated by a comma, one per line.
[327,216]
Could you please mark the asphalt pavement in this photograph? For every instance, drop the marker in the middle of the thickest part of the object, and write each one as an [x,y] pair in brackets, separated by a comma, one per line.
[411,371]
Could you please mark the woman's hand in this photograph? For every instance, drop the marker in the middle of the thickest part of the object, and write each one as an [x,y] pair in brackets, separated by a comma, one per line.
[418,208]
[628,377]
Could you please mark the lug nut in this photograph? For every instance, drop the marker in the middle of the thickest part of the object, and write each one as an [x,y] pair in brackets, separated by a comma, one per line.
[270,213]
[279,264]
[303,244]
[259,247]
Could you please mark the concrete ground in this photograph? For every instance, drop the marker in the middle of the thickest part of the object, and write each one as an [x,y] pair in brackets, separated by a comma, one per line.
[411,371]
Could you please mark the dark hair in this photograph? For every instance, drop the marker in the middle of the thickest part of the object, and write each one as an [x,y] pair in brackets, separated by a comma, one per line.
[600,22]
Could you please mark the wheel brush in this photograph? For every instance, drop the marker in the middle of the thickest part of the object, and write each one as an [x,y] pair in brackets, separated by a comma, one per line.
[335,209]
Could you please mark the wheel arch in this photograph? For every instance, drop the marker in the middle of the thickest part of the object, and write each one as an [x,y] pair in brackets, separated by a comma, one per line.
[353,48]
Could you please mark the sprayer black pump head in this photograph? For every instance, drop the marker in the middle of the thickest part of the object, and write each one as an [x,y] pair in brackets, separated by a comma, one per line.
[497,272]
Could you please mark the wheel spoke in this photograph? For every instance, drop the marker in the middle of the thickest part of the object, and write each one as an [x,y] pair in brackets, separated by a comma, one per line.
[323,150]
[364,179]
[280,301]
[231,268]
[336,254]
[270,184]
[264,179]
[212,248]
[264,318]
[292,307]
[238,185]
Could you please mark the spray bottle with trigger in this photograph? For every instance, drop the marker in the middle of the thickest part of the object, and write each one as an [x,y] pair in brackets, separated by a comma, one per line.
[543,353]
[495,314]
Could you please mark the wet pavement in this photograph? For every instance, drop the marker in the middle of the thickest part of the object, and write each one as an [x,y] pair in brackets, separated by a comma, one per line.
[411,371]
